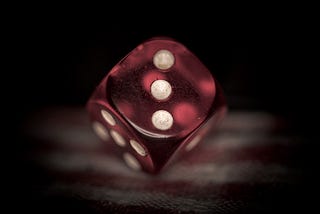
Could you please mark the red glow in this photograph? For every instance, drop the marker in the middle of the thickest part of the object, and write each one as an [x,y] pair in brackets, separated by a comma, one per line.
[207,87]
[126,108]
[185,114]
[150,77]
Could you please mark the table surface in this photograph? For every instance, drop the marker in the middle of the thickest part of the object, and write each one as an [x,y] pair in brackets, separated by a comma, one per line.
[250,165]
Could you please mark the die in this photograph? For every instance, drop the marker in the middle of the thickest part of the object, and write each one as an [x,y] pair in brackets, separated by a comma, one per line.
[156,104]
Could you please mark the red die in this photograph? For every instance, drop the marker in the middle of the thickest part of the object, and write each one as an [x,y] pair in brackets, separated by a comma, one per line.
[156,103]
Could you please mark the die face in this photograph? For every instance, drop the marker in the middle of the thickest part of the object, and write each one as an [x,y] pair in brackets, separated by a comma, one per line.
[112,128]
[140,153]
[158,101]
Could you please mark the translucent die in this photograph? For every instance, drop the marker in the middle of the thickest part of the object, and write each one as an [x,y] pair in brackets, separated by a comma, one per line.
[157,104]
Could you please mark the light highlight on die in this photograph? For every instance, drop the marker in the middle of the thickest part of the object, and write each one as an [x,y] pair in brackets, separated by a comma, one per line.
[193,143]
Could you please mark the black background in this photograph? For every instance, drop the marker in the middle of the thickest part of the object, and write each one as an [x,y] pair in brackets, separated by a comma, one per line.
[266,68]
[260,69]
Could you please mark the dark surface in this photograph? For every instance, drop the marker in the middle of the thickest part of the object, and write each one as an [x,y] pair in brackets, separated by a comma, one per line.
[261,70]
[249,165]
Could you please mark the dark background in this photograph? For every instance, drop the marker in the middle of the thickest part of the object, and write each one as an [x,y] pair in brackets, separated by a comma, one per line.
[262,68]
[265,69]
